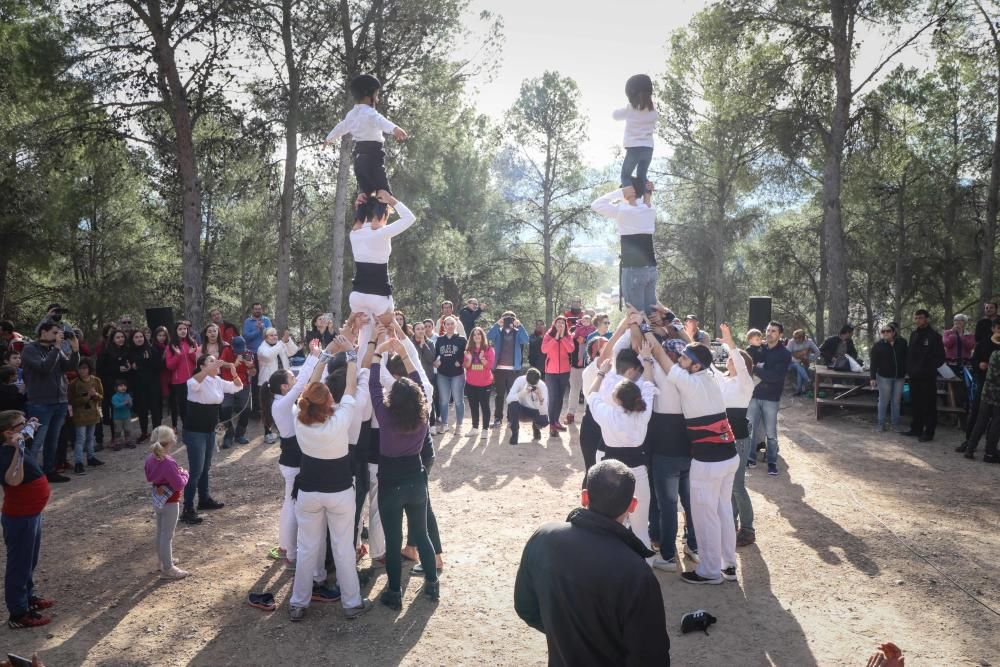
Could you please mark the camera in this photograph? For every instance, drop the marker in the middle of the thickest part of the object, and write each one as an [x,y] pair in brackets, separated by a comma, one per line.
[508,321]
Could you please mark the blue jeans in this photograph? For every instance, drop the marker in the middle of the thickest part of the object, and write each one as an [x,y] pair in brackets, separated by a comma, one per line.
[84,439]
[768,410]
[557,384]
[23,537]
[742,507]
[801,376]
[451,387]
[890,391]
[637,159]
[639,286]
[51,417]
[200,448]
[670,480]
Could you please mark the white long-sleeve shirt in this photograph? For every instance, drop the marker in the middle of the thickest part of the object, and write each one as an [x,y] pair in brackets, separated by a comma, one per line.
[618,427]
[668,400]
[521,392]
[281,408]
[209,391]
[373,246]
[363,123]
[387,379]
[638,219]
[640,125]
[268,355]
[738,390]
[700,393]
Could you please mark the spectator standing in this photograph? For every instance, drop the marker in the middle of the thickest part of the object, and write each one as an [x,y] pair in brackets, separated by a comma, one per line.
[46,365]
[984,327]
[617,618]
[113,363]
[470,314]
[836,349]
[180,360]
[449,351]
[427,353]
[323,329]
[85,396]
[235,410]
[695,335]
[602,329]
[9,338]
[981,355]
[574,311]
[557,346]
[508,339]
[11,393]
[771,367]
[253,332]
[479,359]
[146,363]
[536,358]
[803,351]
[578,361]
[924,356]
[448,310]
[121,412]
[888,373]
[26,492]
[989,413]
[227,330]
[272,355]
[958,344]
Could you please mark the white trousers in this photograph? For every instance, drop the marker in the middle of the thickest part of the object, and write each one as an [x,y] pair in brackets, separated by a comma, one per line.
[315,513]
[575,385]
[376,536]
[638,520]
[374,305]
[287,525]
[712,513]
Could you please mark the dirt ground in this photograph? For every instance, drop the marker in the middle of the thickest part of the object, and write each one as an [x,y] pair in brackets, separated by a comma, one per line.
[824,584]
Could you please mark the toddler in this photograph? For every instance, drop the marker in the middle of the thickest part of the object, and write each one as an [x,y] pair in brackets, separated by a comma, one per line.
[121,415]
[168,480]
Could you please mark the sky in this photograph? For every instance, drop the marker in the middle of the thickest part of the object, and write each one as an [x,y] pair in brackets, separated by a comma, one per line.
[593,42]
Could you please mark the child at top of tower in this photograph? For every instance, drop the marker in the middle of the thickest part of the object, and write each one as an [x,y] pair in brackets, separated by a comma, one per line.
[640,126]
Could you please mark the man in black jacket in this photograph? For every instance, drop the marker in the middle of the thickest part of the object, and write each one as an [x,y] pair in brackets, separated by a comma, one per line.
[984,327]
[924,356]
[834,348]
[604,608]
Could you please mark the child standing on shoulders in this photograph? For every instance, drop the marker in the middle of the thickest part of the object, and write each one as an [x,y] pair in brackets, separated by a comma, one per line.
[168,480]
[367,126]
[121,413]
[640,126]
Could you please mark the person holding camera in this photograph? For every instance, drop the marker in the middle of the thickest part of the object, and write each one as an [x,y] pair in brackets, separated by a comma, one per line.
[26,492]
[46,363]
[528,401]
[508,339]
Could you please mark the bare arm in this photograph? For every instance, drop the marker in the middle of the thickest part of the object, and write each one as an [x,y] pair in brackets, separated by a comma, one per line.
[15,471]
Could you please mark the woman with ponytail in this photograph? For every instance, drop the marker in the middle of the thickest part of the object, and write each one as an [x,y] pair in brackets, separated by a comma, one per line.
[168,480]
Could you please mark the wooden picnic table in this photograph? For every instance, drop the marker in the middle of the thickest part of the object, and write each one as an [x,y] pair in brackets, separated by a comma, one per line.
[847,389]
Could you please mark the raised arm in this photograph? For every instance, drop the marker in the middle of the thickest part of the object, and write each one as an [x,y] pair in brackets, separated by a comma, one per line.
[406,217]
[606,205]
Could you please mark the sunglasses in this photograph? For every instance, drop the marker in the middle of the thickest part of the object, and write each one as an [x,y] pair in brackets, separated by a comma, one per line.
[126,321]
[887,331]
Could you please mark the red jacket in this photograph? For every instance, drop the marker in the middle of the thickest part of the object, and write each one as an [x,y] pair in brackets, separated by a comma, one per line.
[557,353]
[950,340]
[181,366]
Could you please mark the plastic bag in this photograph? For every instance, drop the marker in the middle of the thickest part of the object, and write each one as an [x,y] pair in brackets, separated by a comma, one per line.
[944,370]
[855,366]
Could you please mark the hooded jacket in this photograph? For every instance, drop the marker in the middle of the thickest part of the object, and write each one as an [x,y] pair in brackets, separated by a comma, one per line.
[605,609]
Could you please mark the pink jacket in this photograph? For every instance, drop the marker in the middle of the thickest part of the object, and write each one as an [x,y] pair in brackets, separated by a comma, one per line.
[181,366]
[479,367]
[951,345]
[557,353]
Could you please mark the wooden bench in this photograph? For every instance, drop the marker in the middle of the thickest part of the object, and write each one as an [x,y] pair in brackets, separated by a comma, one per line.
[854,390]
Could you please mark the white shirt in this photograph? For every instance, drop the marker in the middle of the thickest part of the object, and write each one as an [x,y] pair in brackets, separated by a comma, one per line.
[620,428]
[700,393]
[268,355]
[638,219]
[521,392]
[385,377]
[209,391]
[374,246]
[736,391]
[439,326]
[363,123]
[640,125]
[327,440]
[281,408]
[668,400]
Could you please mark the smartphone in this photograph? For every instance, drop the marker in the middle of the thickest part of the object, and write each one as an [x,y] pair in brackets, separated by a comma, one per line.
[18,661]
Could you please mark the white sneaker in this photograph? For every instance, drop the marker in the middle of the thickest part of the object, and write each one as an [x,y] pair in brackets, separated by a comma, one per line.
[485,433]
[174,573]
[665,565]
[270,438]
[691,553]
[472,432]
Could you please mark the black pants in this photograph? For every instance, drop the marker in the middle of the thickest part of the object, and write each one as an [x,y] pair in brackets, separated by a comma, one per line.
[434,404]
[517,413]
[976,404]
[369,167]
[923,400]
[395,499]
[503,379]
[178,403]
[432,524]
[266,401]
[359,469]
[479,400]
[148,405]
[109,391]
[988,424]
[590,442]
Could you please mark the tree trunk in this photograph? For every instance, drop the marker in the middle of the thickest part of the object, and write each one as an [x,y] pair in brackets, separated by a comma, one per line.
[291,163]
[901,263]
[187,165]
[833,224]
[4,270]
[821,292]
[993,194]
[339,229]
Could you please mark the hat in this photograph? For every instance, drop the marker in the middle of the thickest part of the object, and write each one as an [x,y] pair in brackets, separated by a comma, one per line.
[691,317]
[239,344]
[964,318]
[58,307]
[674,347]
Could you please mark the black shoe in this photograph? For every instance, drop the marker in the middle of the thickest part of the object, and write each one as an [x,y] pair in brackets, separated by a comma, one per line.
[991,458]
[432,589]
[79,469]
[99,447]
[912,434]
[210,504]
[962,447]
[94,462]
[391,599]
[693,577]
[513,439]
[970,455]
[56,478]
[191,517]
[926,437]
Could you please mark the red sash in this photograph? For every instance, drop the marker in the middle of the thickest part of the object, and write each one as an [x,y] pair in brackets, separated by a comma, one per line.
[715,433]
